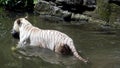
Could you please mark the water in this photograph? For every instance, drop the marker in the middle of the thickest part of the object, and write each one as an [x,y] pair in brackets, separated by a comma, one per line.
[102,50]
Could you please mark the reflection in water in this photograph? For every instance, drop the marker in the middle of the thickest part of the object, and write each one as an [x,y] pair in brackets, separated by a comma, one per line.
[46,55]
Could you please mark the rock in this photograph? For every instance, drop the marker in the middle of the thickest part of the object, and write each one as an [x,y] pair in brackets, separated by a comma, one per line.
[77,6]
[66,9]
[70,2]
[79,17]
[49,8]
[13,48]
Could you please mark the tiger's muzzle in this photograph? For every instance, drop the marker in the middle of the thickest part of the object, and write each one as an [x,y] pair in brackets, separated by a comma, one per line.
[15,34]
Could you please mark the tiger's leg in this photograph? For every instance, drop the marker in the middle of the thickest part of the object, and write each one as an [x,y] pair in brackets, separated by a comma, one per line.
[58,48]
[23,42]
[63,49]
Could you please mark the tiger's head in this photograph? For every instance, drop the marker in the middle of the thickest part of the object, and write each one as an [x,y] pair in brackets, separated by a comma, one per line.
[18,23]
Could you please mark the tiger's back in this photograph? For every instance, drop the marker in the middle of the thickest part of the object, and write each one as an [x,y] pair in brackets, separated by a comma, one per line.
[49,38]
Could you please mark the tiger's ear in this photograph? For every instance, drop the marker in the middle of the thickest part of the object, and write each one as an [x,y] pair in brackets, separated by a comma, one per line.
[26,17]
[19,22]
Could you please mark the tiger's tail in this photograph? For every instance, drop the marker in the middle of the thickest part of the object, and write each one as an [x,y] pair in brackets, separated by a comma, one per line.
[75,53]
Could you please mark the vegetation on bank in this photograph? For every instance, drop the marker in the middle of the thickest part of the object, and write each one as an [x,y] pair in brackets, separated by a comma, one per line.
[108,12]
[104,10]
[18,5]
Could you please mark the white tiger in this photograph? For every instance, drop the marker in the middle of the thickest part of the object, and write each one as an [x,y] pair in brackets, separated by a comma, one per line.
[51,39]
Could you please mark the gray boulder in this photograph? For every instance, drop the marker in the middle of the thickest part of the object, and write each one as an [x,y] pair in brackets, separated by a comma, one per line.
[50,8]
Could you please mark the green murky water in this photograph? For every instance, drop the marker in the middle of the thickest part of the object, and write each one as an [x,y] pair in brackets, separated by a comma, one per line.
[103,50]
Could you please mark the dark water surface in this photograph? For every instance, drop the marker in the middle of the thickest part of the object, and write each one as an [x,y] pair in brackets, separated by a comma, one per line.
[103,50]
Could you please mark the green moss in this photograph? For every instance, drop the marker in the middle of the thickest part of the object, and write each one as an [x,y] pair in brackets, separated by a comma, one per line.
[35,1]
[104,10]
[114,12]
